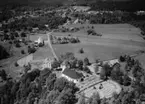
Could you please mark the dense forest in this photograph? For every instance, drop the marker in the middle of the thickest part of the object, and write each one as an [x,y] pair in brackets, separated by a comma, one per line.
[127,5]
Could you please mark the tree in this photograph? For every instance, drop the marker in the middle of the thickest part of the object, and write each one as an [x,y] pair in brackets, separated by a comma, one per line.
[81,51]
[44,74]
[94,99]
[86,69]
[103,74]
[16,64]
[22,51]
[55,64]
[82,99]
[122,59]
[3,74]
[23,34]
[86,61]
[66,97]
[115,95]
[96,68]
[80,64]
[103,101]
[51,97]
[50,81]
[126,80]
[18,45]
[107,69]
[60,84]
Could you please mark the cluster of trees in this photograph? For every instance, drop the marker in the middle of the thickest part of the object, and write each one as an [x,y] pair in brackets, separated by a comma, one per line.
[39,87]
[109,18]
[74,63]
[31,49]
[92,32]
[94,99]
[27,23]
[139,24]
[12,35]
[115,73]
[64,40]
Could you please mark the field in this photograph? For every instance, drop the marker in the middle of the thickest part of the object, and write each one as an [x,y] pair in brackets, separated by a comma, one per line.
[93,51]
[117,39]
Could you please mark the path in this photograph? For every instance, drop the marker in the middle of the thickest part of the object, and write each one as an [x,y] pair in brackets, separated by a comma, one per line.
[50,45]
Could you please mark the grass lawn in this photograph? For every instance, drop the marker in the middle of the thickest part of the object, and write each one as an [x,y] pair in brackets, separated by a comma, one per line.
[92,51]
[42,53]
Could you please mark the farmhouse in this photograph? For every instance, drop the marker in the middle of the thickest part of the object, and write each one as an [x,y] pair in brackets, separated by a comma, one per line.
[71,75]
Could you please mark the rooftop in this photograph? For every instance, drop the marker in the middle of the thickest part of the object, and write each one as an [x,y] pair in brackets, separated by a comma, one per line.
[72,73]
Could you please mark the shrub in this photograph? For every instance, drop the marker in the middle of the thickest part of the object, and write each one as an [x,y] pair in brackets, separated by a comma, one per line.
[18,45]
[10,42]
[122,59]
[16,64]
[81,51]
[22,51]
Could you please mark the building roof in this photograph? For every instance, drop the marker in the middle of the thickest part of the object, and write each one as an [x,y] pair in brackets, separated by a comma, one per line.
[72,74]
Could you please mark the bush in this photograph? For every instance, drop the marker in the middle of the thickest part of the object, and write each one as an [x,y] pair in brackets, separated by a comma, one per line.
[10,42]
[122,59]
[22,52]
[18,45]
[81,51]
[16,64]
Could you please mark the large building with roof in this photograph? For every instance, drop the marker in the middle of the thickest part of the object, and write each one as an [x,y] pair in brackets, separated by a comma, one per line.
[71,75]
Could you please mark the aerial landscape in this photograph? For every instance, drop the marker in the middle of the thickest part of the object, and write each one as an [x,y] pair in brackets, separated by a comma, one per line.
[72,52]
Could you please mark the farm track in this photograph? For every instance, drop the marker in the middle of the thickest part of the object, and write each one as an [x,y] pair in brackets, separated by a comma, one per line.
[50,45]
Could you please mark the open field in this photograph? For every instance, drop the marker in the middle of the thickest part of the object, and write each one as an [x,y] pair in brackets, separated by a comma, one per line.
[93,51]
[117,39]
[42,53]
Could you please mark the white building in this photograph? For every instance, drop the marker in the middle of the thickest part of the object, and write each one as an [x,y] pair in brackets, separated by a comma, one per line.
[111,62]
[40,40]
[47,63]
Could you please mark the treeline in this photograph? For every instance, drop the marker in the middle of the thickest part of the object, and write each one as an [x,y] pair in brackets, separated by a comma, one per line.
[126,5]
[39,22]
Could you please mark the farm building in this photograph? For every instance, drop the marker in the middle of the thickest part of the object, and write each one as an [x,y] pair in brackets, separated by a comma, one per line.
[71,75]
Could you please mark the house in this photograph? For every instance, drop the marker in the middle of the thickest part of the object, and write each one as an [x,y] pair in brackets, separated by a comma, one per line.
[40,40]
[95,69]
[47,63]
[111,62]
[71,75]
